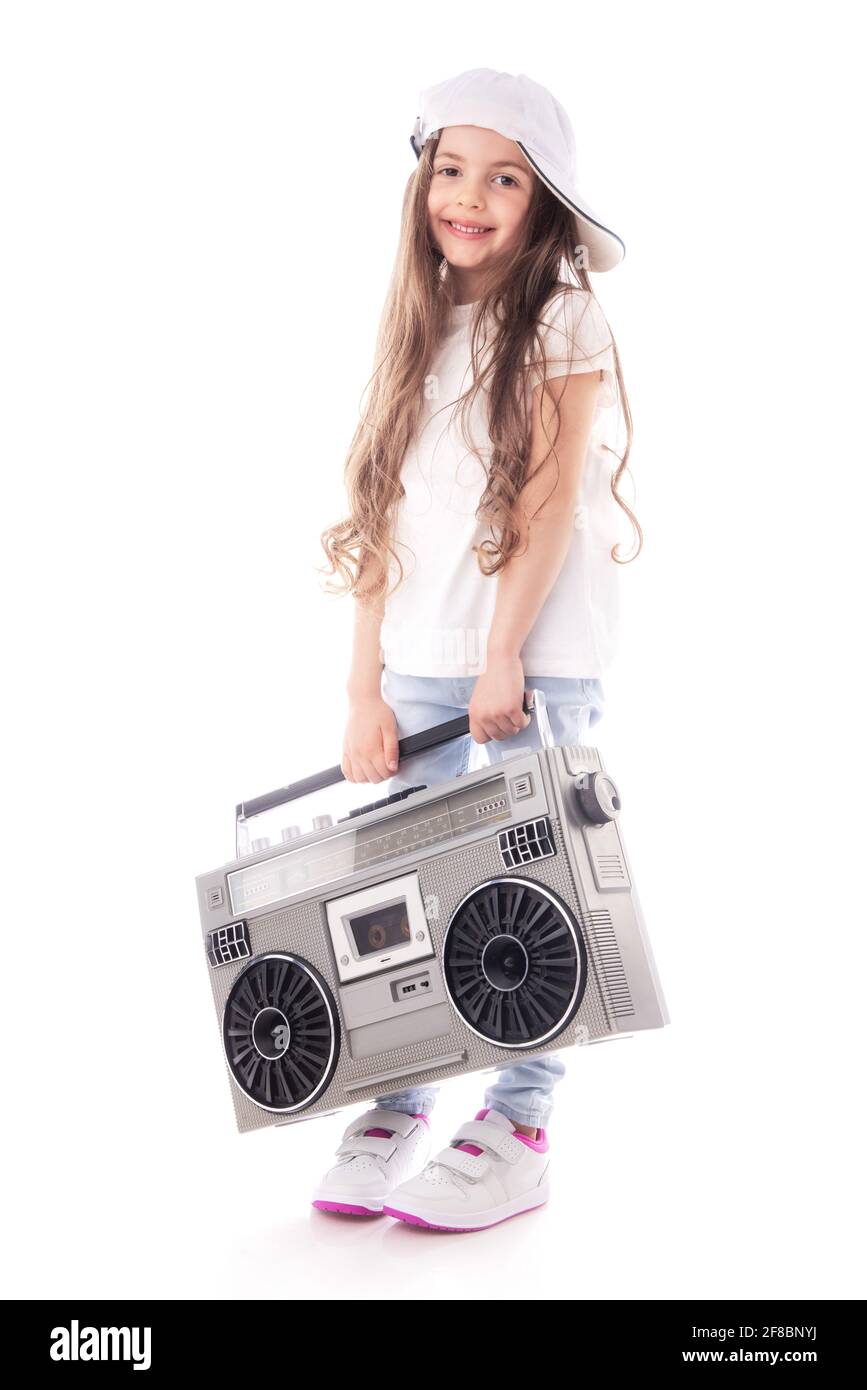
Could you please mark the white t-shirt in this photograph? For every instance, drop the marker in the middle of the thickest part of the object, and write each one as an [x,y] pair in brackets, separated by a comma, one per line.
[436,622]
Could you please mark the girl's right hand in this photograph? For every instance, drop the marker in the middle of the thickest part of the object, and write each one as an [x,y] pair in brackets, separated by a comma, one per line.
[370,742]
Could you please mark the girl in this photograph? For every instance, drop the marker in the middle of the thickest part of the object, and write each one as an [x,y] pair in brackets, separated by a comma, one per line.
[483,429]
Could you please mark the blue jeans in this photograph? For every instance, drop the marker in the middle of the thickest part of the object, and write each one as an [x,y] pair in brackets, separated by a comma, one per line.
[523,1092]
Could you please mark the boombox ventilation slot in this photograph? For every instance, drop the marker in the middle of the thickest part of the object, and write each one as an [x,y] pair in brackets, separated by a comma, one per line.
[524,844]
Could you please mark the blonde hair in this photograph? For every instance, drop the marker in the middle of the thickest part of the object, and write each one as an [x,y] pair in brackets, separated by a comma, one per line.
[416,312]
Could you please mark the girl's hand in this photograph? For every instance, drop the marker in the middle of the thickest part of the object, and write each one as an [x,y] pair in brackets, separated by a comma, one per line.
[370,741]
[496,709]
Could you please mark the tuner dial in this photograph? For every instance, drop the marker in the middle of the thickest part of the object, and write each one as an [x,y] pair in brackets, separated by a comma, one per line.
[262,843]
[290,832]
[597,797]
[322,822]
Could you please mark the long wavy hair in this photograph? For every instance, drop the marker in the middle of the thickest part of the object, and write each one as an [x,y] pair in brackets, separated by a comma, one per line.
[420,297]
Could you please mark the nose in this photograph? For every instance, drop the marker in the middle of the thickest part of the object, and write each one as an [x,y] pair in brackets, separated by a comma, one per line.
[470,196]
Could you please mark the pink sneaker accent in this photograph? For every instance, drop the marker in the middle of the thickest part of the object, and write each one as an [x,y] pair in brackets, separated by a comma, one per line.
[349,1207]
[540,1144]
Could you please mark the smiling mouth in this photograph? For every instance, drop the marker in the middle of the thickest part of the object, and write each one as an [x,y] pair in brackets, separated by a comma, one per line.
[466,229]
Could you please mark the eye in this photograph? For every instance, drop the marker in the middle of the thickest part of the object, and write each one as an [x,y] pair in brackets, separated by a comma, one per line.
[450,169]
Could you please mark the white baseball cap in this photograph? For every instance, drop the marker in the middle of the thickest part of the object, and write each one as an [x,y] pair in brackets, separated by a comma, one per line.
[523,111]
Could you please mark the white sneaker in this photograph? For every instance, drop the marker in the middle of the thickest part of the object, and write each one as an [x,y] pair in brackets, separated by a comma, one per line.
[488,1173]
[379,1149]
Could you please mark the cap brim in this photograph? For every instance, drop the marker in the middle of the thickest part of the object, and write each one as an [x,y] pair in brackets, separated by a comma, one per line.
[605,246]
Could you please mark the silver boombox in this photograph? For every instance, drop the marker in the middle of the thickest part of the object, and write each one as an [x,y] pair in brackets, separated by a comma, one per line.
[441,930]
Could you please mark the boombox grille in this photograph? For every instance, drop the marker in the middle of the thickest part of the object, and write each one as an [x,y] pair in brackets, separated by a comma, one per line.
[280,1032]
[514,962]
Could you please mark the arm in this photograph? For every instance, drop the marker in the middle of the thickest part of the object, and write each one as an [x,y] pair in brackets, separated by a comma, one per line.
[365,672]
[527,579]
[370,743]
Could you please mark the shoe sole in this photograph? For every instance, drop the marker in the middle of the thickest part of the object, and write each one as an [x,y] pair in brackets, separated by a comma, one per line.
[348,1208]
[498,1215]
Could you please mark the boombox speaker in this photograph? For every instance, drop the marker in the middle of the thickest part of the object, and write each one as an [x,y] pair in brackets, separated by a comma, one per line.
[441,930]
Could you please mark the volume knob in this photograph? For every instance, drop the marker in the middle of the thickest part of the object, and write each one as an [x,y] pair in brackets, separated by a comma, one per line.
[597,797]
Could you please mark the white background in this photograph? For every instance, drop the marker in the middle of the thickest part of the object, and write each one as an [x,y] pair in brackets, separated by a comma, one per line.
[201,213]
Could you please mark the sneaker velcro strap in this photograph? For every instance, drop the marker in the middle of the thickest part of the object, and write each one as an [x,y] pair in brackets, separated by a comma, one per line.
[367,1144]
[403,1125]
[491,1137]
[472,1166]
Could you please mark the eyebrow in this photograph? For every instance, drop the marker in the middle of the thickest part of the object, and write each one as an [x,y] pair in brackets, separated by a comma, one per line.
[500,164]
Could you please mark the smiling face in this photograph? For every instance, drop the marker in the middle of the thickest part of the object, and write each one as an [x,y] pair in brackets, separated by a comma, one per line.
[480,180]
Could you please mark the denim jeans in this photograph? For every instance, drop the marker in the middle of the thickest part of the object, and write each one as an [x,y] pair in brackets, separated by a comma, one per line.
[522,1091]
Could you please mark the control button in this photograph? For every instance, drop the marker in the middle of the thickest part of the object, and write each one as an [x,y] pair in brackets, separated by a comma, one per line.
[290,832]
[386,801]
[322,822]
[262,843]
[522,787]
[597,796]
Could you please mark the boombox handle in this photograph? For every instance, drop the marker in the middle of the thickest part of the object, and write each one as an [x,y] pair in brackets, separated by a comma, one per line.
[413,743]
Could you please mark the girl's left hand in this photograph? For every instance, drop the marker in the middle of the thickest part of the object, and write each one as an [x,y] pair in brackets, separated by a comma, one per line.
[496,709]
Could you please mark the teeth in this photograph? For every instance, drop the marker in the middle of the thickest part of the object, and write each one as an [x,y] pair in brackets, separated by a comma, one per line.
[477,231]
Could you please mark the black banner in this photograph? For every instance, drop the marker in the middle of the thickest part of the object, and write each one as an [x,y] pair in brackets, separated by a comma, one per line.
[249,1336]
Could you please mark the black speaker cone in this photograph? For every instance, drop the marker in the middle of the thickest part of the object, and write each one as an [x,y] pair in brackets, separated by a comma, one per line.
[270,1033]
[504,962]
[280,1032]
[515,963]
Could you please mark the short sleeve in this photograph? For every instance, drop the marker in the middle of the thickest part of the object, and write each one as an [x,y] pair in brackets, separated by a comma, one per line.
[576,338]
